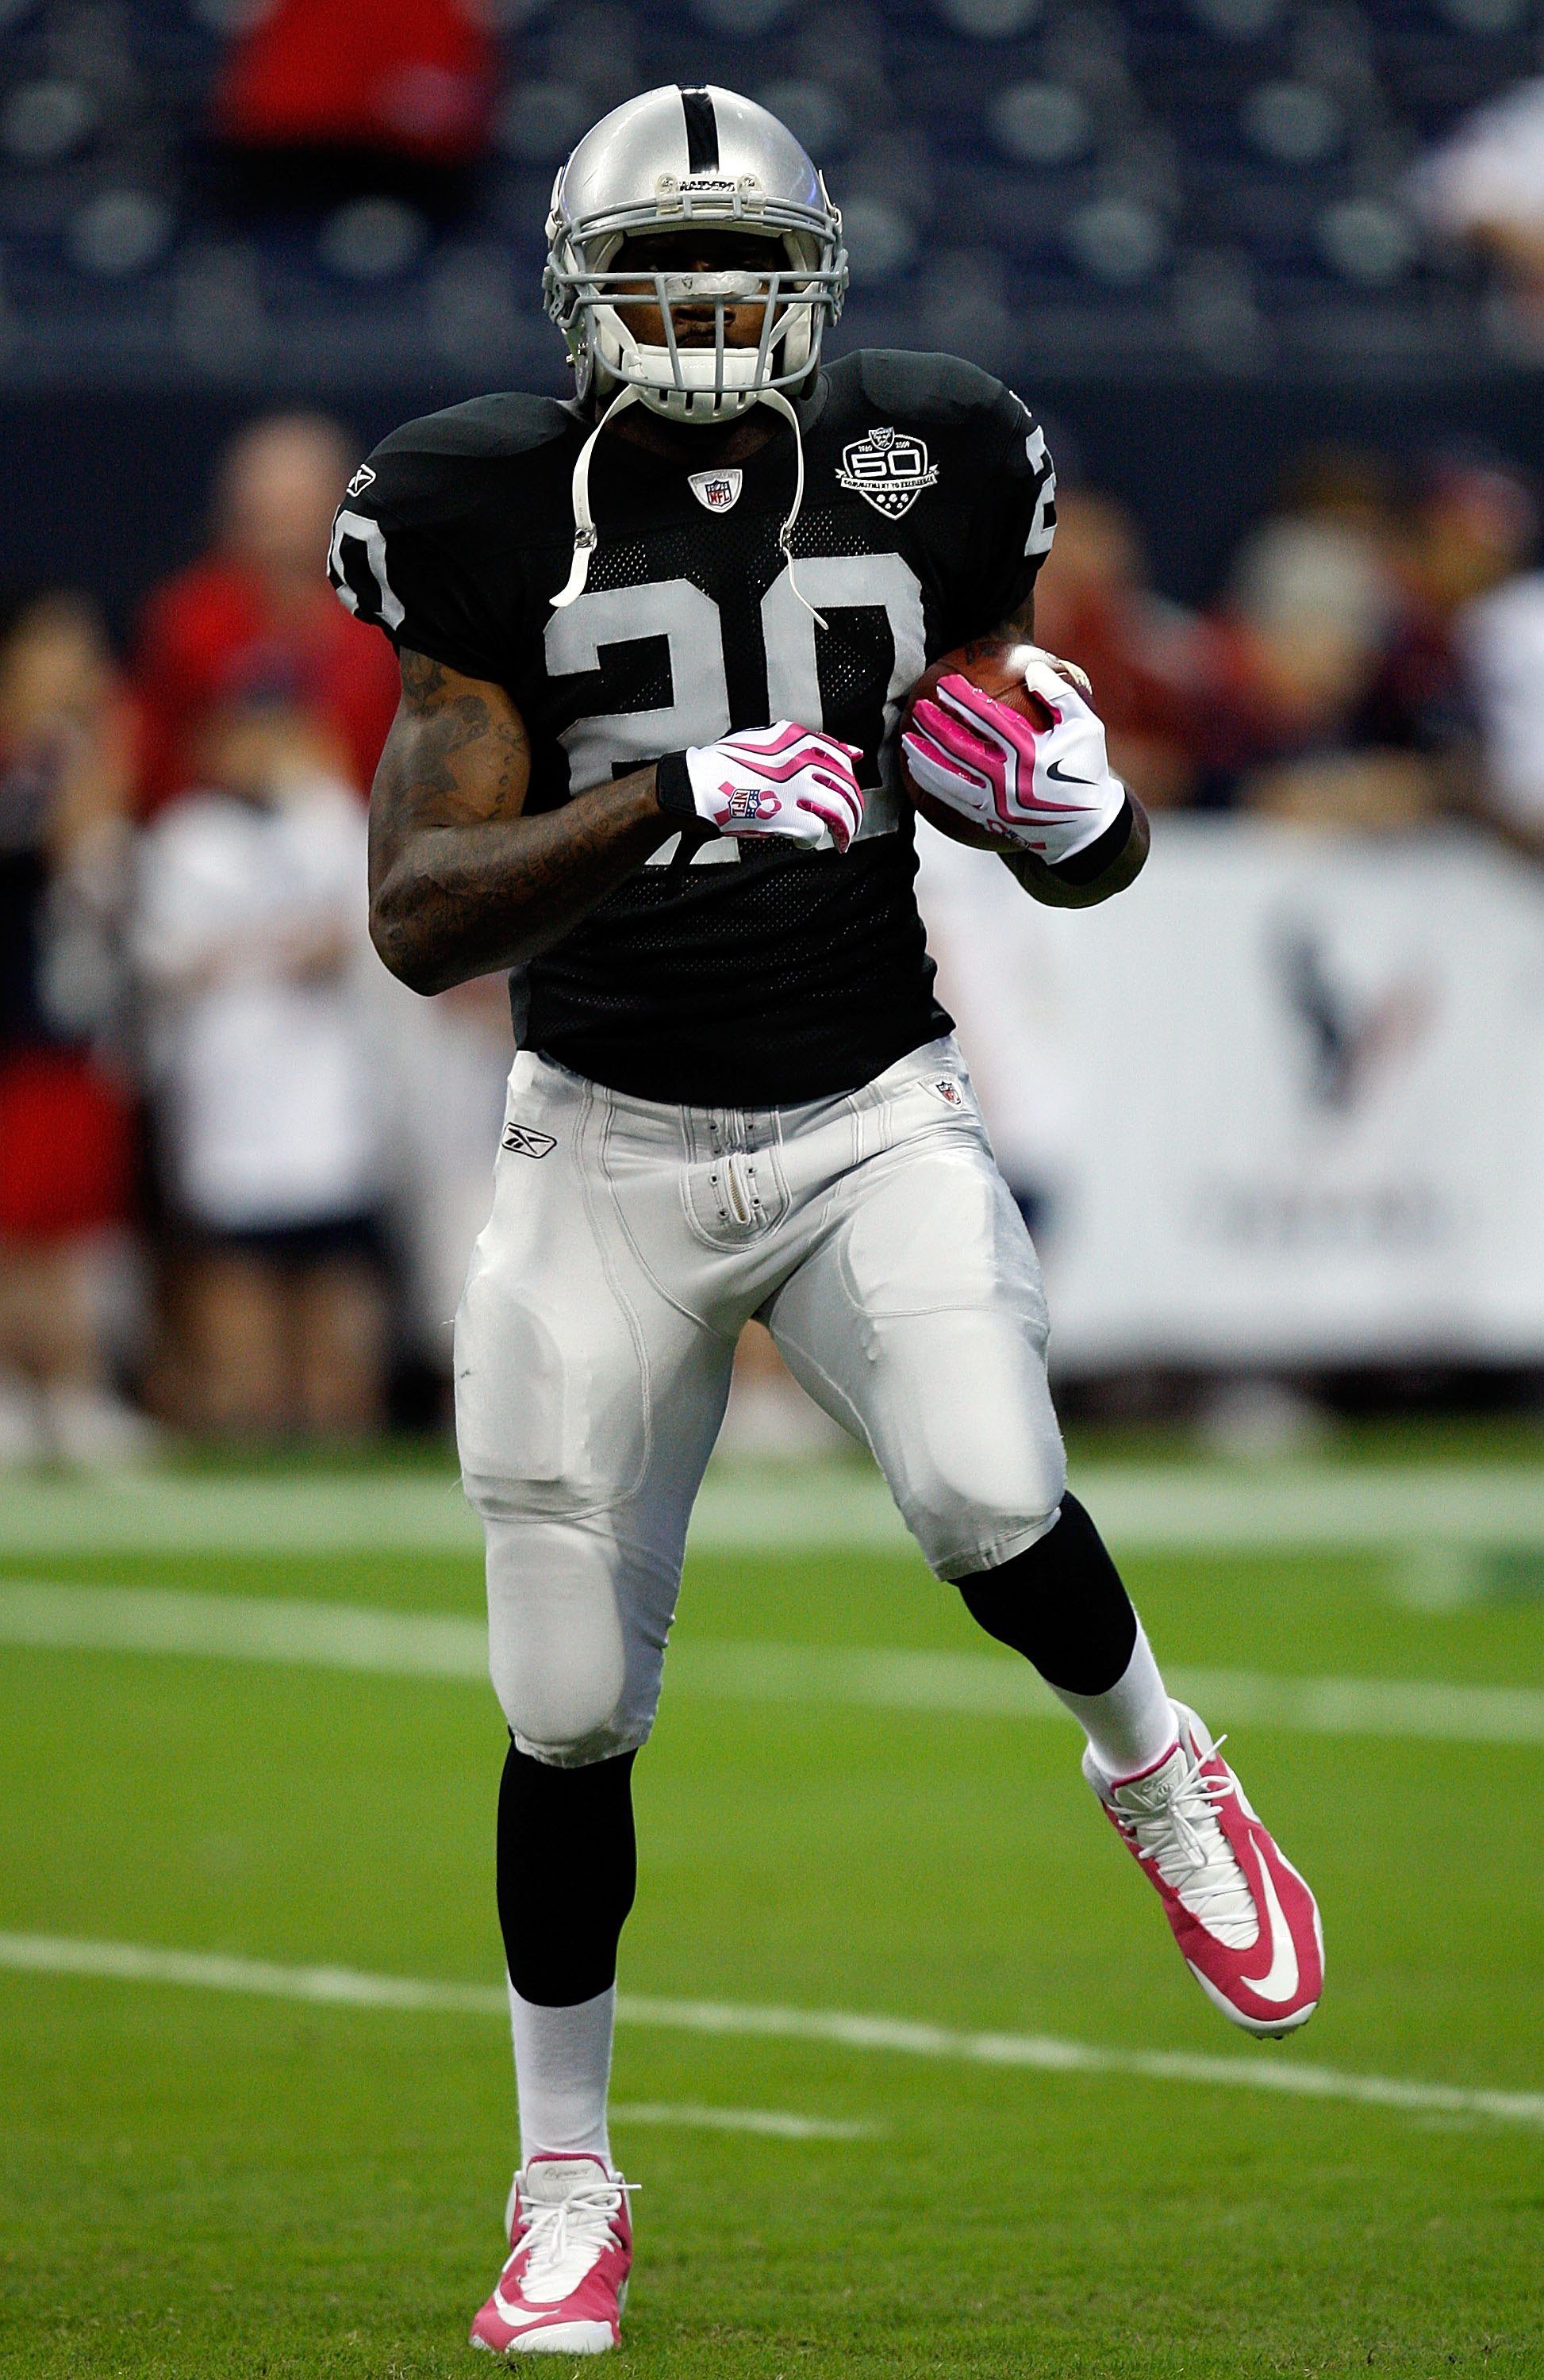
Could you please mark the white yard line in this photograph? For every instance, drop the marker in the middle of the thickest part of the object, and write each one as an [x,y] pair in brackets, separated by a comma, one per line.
[168,1513]
[1269,2068]
[976,1685]
[242,1628]
[984,1686]
[137,1962]
[771,2122]
[1303,1506]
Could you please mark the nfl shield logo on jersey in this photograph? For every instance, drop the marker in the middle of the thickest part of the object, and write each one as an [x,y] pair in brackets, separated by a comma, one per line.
[889,468]
[716,491]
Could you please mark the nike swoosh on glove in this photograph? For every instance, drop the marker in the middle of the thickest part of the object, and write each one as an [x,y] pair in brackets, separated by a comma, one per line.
[1048,788]
[783,780]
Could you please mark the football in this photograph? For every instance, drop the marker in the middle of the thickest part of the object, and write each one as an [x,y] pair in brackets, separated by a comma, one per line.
[996,665]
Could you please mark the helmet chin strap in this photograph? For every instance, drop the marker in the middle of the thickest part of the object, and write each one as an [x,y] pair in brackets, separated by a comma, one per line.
[779,403]
[587,537]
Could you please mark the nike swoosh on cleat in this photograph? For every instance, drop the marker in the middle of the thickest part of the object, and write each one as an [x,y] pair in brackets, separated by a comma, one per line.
[1280,1980]
[1054,769]
[520,2317]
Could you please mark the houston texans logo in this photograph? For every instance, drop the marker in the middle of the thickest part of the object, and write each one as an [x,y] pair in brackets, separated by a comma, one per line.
[1349,1039]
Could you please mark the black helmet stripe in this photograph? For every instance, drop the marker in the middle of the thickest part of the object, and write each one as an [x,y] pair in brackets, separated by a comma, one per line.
[701,132]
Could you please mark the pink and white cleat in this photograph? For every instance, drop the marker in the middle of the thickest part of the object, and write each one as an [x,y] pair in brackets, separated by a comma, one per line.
[1243,1917]
[571,2246]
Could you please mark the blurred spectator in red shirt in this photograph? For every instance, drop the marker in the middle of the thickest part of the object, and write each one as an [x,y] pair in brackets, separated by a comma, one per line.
[1093,603]
[320,98]
[258,610]
[64,1157]
[250,934]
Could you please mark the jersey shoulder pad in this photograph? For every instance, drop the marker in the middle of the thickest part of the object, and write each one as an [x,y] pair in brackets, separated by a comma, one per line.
[438,465]
[942,390]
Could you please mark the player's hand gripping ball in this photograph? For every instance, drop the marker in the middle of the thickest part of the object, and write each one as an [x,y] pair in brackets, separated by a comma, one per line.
[1000,750]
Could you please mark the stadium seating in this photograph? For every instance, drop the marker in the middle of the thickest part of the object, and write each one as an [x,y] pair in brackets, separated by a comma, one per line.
[1212,184]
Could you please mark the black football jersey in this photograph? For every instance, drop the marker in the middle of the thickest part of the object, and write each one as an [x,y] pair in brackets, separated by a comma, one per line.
[722,973]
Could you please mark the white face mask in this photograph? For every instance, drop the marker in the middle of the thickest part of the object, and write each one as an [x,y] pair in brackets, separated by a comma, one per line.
[683,380]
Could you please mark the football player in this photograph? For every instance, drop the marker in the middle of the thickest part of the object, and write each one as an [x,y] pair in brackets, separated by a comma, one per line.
[655,643]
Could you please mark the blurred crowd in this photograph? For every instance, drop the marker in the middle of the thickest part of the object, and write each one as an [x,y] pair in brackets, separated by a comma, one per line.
[1371,664]
[241,1168]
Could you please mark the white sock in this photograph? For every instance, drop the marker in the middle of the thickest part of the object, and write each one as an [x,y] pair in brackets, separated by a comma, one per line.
[1132,1726]
[562,2072]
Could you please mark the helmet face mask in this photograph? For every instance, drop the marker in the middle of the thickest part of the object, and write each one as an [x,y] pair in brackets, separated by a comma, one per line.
[725,181]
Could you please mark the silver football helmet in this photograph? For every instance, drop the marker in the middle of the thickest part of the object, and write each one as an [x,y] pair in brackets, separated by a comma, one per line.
[666,161]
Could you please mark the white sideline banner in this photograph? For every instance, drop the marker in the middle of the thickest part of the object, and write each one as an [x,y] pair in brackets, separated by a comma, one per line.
[1285,1098]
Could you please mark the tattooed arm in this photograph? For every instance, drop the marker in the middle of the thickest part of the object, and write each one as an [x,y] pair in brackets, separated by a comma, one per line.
[1111,864]
[460,882]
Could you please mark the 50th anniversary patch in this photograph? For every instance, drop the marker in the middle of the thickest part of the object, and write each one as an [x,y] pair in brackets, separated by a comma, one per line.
[889,470]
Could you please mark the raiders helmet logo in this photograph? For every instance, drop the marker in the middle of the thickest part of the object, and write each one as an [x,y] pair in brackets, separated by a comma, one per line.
[716,491]
[889,470]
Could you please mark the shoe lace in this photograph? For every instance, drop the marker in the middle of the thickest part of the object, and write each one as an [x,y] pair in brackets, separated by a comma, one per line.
[562,2237]
[1185,1842]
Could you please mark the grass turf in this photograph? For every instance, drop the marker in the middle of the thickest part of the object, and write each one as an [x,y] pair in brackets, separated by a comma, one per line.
[195,2183]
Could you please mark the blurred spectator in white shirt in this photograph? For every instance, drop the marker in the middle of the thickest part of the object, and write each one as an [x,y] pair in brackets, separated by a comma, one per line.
[1484,186]
[1502,637]
[252,938]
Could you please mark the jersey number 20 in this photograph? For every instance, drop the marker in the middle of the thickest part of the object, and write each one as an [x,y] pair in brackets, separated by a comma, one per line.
[678,610]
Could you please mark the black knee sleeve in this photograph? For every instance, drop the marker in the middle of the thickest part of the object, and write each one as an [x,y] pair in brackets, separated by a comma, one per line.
[567,1870]
[1062,1605]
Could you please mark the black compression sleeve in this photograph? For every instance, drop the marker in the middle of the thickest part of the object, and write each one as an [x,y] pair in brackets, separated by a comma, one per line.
[1062,1605]
[567,1870]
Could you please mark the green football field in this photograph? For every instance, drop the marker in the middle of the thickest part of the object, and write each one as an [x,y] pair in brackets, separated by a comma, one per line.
[911,2075]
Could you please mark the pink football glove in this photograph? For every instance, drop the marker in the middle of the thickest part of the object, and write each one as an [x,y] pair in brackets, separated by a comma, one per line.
[1048,788]
[782,780]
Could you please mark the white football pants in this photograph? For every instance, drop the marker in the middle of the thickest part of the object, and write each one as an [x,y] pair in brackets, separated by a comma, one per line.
[629,1244]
